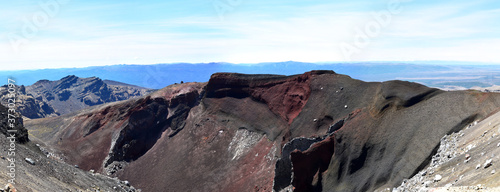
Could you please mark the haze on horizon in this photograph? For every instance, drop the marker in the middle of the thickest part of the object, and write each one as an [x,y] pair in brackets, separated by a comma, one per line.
[70,33]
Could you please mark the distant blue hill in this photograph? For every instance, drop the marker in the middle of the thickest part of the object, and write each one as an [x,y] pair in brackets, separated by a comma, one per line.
[161,75]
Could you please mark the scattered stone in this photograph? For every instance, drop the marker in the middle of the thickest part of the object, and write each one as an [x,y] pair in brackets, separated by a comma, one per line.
[77,166]
[498,145]
[478,166]
[484,133]
[427,183]
[10,188]
[91,171]
[437,178]
[469,147]
[448,185]
[314,120]
[467,156]
[345,106]
[493,171]
[424,173]
[488,163]
[30,161]
[126,183]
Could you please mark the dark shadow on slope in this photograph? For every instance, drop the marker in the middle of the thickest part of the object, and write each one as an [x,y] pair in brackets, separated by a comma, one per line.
[467,121]
[147,121]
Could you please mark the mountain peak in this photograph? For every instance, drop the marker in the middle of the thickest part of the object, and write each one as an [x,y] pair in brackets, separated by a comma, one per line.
[70,76]
[71,93]
[42,81]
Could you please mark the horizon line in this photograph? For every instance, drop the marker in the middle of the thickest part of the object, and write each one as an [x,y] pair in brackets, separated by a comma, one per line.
[416,62]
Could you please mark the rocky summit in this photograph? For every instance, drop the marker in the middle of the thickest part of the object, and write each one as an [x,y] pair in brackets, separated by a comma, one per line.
[317,131]
[53,98]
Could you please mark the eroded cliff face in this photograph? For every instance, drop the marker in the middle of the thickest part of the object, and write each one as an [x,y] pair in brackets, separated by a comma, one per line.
[103,138]
[284,96]
[319,131]
[53,98]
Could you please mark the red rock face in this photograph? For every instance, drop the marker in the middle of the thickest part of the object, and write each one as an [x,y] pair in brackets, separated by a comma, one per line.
[285,96]
[253,132]
[87,139]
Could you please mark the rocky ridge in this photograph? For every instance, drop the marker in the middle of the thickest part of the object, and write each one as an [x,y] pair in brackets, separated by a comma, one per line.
[318,131]
[53,98]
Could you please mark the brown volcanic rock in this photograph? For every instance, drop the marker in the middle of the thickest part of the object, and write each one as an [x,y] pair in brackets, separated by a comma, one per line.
[253,132]
[285,96]
[53,98]
[393,134]
[123,131]
[49,174]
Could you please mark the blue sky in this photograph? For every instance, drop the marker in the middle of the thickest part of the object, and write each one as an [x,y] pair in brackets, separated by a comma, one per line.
[71,33]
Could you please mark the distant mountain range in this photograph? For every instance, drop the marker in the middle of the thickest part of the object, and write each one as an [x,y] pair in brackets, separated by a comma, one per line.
[441,75]
[53,98]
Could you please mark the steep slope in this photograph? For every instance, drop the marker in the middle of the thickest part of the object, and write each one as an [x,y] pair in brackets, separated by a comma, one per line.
[49,174]
[52,98]
[465,160]
[42,172]
[319,131]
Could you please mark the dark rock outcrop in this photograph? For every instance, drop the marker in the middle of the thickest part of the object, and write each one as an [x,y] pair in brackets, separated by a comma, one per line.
[283,171]
[21,133]
[310,165]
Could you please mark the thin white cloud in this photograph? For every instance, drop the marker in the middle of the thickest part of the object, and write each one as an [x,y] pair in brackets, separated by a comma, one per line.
[313,36]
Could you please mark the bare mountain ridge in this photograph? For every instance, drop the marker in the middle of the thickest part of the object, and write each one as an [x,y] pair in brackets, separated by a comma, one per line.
[318,131]
[53,98]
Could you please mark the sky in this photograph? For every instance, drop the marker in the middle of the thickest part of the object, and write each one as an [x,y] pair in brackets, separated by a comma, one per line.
[37,34]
